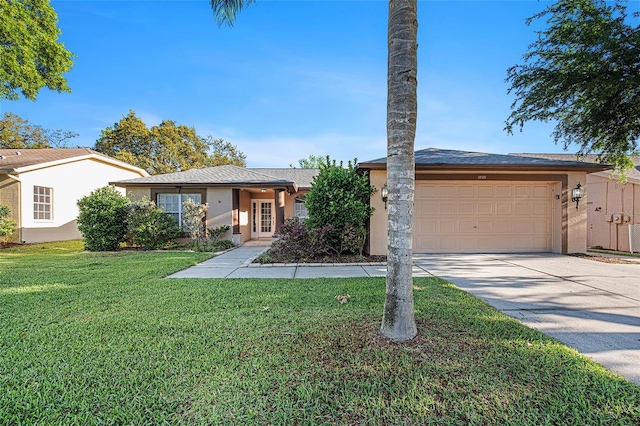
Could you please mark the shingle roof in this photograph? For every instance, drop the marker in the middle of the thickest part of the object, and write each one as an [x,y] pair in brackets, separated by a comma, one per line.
[302,177]
[229,175]
[435,158]
[589,158]
[11,159]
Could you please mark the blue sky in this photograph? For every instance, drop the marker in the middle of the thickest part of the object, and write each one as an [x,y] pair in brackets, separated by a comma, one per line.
[291,78]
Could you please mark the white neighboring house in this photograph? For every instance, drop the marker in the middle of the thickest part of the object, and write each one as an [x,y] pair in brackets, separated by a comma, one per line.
[42,188]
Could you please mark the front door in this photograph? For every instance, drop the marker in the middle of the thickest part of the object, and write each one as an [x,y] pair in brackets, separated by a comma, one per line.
[262,218]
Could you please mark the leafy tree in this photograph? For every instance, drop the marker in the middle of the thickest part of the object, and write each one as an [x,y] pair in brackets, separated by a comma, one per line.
[583,72]
[311,162]
[7,226]
[340,197]
[103,219]
[398,322]
[30,55]
[165,148]
[149,226]
[18,133]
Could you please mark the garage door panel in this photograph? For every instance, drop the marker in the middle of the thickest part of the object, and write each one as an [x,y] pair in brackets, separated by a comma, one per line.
[485,208]
[485,226]
[522,209]
[482,217]
[447,209]
[522,227]
[468,209]
[485,191]
[541,226]
[540,209]
[466,226]
[503,191]
[447,244]
[446,227]
[504,208]
[503,227]
[447,191]
[541,191]
[466,191]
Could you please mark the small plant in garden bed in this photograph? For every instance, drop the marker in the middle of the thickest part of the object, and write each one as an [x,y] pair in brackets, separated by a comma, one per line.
[301,244]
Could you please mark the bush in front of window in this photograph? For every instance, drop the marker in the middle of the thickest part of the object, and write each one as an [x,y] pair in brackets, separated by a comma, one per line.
[148,225]
[193,215]
[103,219]
[7,226]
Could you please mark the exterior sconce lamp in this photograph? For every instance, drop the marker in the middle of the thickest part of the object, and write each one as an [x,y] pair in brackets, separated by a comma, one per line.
[576,194]
[263,190]
[384,193]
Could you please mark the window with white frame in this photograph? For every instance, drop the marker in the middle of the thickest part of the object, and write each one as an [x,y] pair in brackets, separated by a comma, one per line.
[172,203]
[299,208]
[42,203]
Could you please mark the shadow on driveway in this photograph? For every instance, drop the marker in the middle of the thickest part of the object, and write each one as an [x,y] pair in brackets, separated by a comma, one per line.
[591,306]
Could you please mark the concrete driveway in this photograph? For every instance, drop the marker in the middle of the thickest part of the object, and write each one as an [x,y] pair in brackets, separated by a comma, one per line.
[591,306]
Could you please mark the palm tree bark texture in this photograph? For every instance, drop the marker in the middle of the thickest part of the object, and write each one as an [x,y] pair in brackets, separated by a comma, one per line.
[398,322]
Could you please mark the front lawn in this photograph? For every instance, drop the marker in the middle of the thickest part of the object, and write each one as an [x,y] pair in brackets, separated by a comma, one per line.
[91,338]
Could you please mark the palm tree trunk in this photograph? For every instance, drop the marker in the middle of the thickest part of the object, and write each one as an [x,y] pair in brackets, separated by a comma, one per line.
[398,322]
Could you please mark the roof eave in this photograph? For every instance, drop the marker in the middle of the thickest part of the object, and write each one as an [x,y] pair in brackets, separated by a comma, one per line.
[289,186]
[496,167]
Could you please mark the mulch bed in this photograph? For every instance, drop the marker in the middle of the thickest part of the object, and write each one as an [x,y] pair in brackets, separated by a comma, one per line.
[604,259]
[4,245]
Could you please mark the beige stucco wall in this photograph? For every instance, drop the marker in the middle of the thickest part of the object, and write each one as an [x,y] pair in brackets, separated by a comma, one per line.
[220,209]
[576,219]
[378,222]
[10,196]
[70,182]
[611,208]
[245,216]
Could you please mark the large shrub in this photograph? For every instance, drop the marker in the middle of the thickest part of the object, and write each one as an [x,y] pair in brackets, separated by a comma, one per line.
[298,243]
[102,219]
[149,226]
[339,197]
[193,215]
[7,226]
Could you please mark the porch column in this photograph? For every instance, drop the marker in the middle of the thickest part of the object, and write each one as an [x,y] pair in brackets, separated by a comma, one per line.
[235,206]
[279,203]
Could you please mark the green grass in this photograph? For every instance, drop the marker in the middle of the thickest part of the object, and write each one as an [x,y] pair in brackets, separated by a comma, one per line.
[614,252]
[103,339]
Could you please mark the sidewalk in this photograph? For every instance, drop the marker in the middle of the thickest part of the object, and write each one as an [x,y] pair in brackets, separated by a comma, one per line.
[236,263]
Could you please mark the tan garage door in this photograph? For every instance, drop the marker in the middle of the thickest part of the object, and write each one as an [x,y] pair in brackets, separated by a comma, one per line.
[482,217]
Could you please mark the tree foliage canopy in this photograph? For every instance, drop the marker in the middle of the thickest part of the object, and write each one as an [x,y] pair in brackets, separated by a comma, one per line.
[311,162]
[31,57]
[165,148]
[583,72]
[18,133]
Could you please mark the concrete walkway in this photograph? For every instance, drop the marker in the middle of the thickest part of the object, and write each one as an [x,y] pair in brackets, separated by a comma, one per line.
[237,263]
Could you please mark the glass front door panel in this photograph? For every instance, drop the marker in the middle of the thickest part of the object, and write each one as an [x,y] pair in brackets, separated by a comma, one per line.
[265,217]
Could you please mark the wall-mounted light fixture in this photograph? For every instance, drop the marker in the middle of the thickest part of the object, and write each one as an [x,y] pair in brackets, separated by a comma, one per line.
[263,190]
[384,193]
[576,194]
